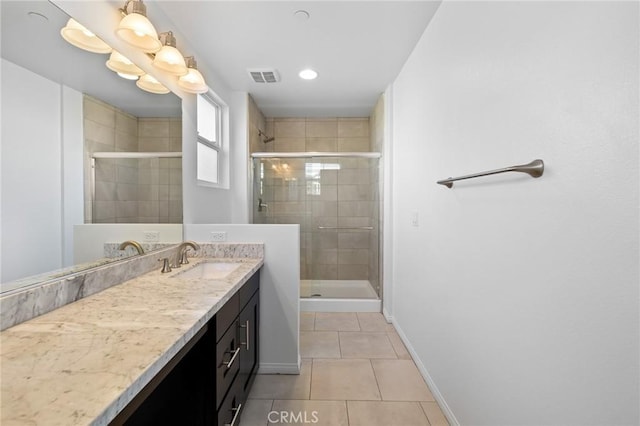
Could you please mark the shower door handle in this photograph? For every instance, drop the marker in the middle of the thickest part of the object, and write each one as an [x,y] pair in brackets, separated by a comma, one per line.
[262,205]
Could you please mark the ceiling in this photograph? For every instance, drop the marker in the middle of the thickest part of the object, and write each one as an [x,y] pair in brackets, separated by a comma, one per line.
[357,47]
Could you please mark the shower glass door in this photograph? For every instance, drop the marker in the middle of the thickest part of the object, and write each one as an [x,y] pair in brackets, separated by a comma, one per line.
[335,200]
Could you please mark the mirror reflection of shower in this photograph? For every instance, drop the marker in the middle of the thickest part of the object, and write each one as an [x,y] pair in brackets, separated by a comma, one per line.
[263,136]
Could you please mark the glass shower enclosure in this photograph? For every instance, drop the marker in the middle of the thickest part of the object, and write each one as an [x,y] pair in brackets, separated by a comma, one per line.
[335,198]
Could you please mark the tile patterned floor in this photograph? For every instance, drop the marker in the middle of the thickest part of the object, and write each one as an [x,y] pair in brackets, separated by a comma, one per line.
[355,371]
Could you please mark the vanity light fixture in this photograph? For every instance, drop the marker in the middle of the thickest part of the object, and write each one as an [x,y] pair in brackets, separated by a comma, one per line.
[150,84]
[123,66]
[308,74]
[136,30]
[193,82]
[76,34]
[168,58]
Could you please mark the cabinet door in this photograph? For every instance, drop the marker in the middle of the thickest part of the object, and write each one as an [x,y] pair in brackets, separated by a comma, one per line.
[248,334]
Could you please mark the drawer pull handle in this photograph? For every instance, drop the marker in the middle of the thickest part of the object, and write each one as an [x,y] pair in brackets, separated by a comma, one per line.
[246,334]
[233,358]
[235,416]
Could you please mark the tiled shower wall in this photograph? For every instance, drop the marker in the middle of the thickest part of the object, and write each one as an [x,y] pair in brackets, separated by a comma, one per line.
[336,198]
[132,190]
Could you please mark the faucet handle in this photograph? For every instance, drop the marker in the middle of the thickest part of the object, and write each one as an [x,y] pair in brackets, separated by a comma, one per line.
[184,259]
[165,265]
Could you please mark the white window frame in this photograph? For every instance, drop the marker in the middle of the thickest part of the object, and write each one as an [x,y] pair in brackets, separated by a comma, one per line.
[218,144]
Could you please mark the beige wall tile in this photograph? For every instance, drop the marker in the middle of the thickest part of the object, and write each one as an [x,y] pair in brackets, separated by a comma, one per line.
[127,192]
[105,191]
[353,240]
[99,133]
[322,128]
[289,128]
[353,272]
[353,144]
[355,193]
[153,128]
[289,144]
[326,193]
[353,128]
[321,145]
[318,271]
[150,144]
[99,112]
[105,210]
[126,142]
[385,413]
[353,256]
[354,176]
[126,123]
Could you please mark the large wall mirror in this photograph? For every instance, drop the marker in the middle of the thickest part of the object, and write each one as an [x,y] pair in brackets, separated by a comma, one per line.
[60,106]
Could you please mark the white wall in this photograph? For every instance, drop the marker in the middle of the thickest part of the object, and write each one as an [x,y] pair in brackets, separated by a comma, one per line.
[279,289]
[521,303]
[36,137]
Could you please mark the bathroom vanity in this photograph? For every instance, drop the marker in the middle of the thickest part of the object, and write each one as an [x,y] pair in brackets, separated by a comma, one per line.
[162,348]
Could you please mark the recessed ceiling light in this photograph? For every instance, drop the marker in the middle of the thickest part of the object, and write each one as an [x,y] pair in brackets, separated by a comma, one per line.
[308,74]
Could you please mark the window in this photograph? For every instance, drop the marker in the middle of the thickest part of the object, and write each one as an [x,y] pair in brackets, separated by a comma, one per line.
[209,139]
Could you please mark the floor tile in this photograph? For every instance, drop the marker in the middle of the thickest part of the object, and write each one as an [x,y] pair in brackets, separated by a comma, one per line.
[255,412]
[373,321]
[434,414]
[343,379]
[307,321]
[319,344]
[283,386]
[337,321]
[304,412]
[400,380]
[398,346]
[385,413]
[365,345]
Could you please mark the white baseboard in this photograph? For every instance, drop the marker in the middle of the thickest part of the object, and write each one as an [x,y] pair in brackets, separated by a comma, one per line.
[340,305]
[276,368]
[387,315]
[425,374]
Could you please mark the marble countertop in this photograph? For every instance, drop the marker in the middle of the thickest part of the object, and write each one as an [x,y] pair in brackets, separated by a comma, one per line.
[84,362]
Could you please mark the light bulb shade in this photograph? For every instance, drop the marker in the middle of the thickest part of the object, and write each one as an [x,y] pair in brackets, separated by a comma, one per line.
[128,76]
[170,60]
[150,84]
[122,65]
[193,82]
[76,34]
[136,30]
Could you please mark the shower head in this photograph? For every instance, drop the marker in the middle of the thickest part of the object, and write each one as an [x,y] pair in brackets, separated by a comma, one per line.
[266,139]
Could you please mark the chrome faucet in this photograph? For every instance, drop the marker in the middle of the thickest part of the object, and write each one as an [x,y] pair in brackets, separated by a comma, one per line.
[133,244]
[182,251]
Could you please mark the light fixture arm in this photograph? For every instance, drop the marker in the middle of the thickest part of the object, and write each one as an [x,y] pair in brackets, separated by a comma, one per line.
[136,7]
[167,39]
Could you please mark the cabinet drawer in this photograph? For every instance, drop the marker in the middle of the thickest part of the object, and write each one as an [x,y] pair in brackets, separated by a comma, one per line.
[249,288]
[227,315]
[231,408]
[227,361]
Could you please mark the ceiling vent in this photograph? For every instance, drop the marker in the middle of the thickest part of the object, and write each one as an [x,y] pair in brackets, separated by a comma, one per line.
[264,75]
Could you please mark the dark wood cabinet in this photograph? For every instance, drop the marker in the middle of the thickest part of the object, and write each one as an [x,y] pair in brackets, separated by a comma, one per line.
[208,381]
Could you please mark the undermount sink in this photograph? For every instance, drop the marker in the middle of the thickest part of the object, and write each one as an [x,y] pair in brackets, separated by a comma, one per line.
[209,270]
